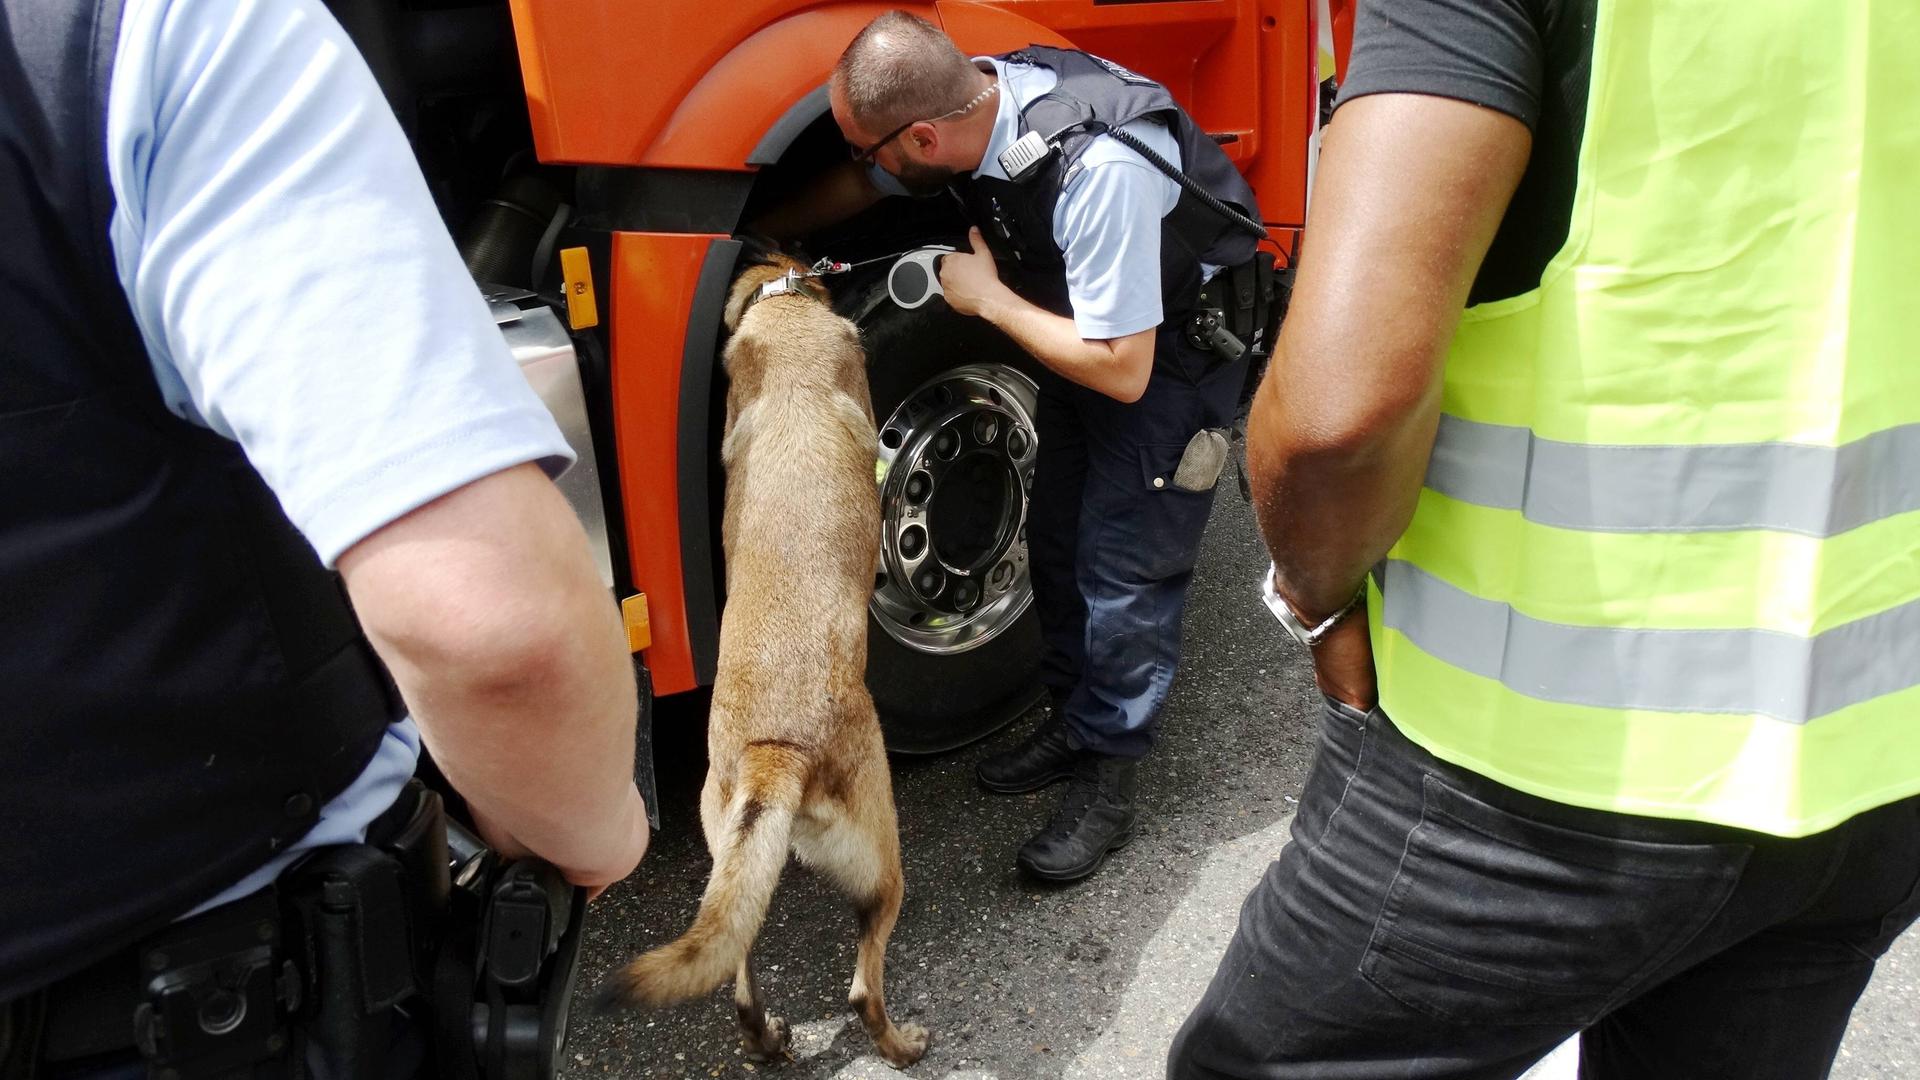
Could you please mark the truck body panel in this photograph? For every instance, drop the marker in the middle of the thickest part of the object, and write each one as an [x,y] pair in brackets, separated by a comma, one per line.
[653,297]
[1243,68]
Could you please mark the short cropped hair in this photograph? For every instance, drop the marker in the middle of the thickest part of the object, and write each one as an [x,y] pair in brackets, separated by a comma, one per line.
[900,69]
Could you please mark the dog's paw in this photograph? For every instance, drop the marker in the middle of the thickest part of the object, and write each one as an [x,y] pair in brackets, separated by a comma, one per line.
[907,1045]
[773,1045]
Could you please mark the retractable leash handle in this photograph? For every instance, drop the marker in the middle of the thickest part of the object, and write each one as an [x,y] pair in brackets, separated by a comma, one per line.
[915,277]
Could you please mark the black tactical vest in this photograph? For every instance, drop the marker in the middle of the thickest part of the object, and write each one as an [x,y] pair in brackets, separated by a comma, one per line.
[182,684]
[1094,96]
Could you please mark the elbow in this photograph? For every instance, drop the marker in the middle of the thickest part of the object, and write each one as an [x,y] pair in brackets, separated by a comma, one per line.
[1342,422]
[531,663]
[484,651]
[1128,381]
[1127,390]
[1354,438]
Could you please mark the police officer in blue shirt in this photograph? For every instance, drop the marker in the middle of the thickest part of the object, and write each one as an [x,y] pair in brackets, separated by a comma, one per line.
[1105,255]
[241,352]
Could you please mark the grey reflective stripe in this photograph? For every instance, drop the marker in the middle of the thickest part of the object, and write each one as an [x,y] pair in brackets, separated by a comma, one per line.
[1789,487]
[1746,672]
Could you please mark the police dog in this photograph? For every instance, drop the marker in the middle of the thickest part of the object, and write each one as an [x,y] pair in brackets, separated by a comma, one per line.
[793,742]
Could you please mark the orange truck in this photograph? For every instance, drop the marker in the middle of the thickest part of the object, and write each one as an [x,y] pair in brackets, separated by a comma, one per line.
[594,160]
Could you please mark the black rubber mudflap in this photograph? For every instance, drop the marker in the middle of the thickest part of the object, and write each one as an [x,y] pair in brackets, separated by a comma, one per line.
[643,774]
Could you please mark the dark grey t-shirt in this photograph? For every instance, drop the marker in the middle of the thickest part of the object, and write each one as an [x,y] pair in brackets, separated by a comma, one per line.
[1529,59]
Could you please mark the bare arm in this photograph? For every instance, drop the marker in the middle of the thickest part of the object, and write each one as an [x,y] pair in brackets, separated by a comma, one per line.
[1118,368]
[830,198]
[1409,192]
[486,607]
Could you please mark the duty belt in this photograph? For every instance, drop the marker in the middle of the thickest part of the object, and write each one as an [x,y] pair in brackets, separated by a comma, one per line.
[353,945]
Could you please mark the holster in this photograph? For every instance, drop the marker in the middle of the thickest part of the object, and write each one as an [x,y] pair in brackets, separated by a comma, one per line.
[1239,310]
[505,970]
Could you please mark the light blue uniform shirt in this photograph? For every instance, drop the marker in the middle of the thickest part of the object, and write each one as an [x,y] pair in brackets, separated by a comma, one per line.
[298,293]
[1107,222]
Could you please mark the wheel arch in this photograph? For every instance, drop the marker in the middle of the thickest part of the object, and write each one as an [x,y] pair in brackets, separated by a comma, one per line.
[729,120]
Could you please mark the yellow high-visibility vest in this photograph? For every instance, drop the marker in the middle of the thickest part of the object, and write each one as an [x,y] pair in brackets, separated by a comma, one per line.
[1667,558]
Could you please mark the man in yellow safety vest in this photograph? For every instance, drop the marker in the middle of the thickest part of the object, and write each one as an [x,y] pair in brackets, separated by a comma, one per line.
[1612,582]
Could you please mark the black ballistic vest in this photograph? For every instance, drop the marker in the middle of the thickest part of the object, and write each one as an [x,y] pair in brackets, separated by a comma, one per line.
[1094,96]
[182,684]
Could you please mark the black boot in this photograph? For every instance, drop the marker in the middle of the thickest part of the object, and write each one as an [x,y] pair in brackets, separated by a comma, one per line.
[1096,816]
[1038,760]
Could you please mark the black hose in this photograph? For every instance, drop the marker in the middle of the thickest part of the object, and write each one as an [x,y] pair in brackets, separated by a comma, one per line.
[1191,185]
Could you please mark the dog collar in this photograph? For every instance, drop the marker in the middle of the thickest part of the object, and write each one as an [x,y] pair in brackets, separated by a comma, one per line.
[784,285]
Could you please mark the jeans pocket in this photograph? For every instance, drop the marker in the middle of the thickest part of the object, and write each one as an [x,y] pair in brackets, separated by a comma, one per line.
[1351,715]
[1896,923]
[1336,763]
[1497,918]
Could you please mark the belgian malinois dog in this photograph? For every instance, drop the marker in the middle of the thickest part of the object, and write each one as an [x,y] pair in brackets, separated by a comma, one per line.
[796,758]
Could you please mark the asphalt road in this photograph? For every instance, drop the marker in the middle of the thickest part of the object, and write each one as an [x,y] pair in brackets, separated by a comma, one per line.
[1021,982]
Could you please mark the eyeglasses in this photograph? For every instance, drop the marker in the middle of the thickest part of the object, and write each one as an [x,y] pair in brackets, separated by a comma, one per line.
[865,157]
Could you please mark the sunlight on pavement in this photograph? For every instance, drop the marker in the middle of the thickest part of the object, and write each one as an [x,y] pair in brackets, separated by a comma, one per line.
[1179,961]
[1562,1064]
[816,1037]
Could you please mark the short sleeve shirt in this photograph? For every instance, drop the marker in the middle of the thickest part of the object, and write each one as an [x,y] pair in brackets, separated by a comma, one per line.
[293,281]
[1530,59]
[1107,222]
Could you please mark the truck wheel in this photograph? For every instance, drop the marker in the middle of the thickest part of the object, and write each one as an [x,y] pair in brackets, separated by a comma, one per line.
[953,645]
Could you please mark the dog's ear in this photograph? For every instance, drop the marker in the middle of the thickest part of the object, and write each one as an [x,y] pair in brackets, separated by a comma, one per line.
[755,251]
[739,294]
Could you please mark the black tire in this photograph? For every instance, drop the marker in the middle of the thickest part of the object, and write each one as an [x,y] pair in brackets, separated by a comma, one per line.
[930,703]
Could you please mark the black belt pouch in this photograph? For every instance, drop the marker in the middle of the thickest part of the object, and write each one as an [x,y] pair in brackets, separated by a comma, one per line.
[364,920]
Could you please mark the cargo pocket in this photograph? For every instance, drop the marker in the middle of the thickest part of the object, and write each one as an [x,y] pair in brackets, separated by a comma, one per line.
[1495,918]
[1167,540]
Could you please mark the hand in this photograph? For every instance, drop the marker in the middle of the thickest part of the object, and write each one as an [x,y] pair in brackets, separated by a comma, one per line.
[624,856]
[625,844]
[1343,663]
[969,278]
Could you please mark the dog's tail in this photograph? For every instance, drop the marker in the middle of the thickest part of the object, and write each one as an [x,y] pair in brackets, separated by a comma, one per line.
[759,819]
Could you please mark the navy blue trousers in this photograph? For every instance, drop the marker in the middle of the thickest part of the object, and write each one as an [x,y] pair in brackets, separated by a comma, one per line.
[1112,543]
[1429,923]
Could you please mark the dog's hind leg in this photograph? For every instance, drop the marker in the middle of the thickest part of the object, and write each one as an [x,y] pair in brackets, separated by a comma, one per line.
[859,848]
[902,1044]
[765,1038]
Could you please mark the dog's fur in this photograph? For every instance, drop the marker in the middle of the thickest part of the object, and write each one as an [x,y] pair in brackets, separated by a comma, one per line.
[793,741]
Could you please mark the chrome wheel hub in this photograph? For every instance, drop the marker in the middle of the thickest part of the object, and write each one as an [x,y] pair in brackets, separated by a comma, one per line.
[955,472]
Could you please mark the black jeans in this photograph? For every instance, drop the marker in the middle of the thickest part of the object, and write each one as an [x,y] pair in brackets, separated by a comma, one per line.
[1113,542]
[1428,922]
